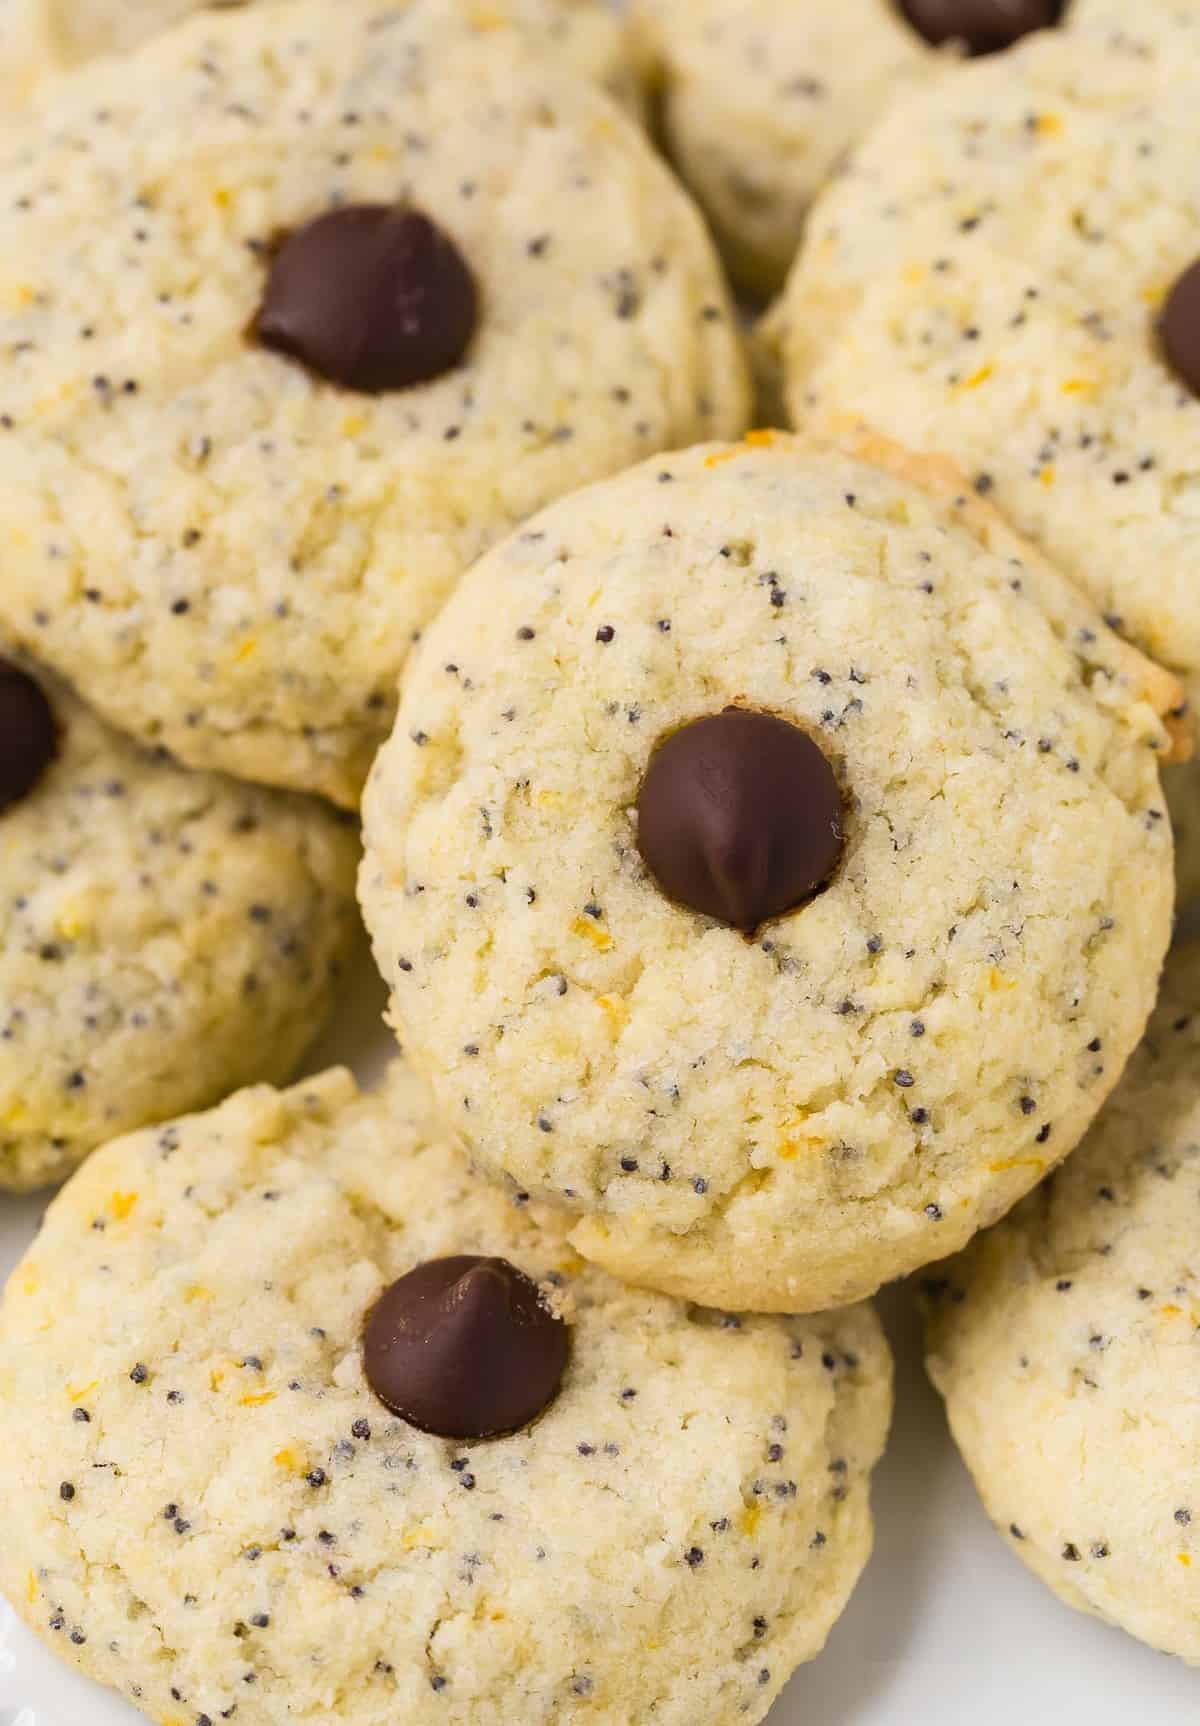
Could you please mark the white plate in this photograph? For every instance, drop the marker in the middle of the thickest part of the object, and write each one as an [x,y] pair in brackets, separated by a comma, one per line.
[946,1627]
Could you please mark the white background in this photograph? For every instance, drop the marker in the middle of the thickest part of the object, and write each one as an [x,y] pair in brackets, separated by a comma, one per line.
[946,1627]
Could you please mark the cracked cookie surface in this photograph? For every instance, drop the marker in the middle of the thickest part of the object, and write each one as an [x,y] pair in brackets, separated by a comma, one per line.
[987,281]
[1064,1343]
[223,552]
[164,937]
[206,1508]
[781,1122]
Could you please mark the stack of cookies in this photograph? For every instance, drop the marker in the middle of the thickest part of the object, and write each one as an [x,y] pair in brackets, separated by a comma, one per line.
[764,835]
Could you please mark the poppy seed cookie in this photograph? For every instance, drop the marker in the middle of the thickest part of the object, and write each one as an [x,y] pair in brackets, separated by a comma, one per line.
[786,1000]
[761,101]
[1064,1343]
[164,935]
[1007,274]
[207,1506]
[229,502]
[41,36]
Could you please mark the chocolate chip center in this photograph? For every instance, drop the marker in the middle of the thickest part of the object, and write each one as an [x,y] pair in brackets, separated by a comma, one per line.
[740,817]
[465,1348]
[370,297]
[985,26]
[28,734]
[1180,328]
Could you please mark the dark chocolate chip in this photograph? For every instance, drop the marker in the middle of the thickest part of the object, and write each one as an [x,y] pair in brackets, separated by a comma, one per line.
[371,297]
[464,1347]
[28,734]
[1180,328]
[740,817]
[985,26]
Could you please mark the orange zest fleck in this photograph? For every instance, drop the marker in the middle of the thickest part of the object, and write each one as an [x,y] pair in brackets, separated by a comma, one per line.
[589,930]
[750,1518]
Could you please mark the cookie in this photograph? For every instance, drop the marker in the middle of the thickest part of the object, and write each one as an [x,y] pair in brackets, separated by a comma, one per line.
[164,935]
[232,490]
[1006,274]
[42,36]
[760,102]
[208,1506]
[1064,1344]
[781,1002]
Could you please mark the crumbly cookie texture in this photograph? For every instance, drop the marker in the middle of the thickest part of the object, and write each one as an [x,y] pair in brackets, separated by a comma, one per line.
[206,1508]
[224,553]
[779,1123]
[1064,1344]
[43,36]
[760,103]
[986,280]
[164,937]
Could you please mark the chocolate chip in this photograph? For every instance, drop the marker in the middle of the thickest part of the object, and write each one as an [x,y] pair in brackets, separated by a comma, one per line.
[985,26]
[371,297]
[465,1348]
[28,734]
[1180,328]
[740,817]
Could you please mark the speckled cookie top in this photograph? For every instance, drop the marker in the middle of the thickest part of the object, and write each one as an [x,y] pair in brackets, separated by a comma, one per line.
[164,936]
[987,280]
[44,36]
[206,1507]
[1064,1343]
[788,1120]
[224,552]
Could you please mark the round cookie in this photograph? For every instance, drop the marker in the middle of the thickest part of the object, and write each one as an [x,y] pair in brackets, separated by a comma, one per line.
[207,1507]
[780,1122]
[989,280]
[222,549]
[1064,1344]
[42,36]
[761,101]
[164,935]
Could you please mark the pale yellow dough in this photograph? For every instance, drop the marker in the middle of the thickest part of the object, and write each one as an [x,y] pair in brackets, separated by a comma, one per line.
[164,937]
[247,1527]
[986,281]
[762,99]
[1064,1343]
[223,553]
[787,1122]
[40,37]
